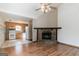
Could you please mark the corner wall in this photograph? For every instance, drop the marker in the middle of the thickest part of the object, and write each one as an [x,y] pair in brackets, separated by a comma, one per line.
[68,19]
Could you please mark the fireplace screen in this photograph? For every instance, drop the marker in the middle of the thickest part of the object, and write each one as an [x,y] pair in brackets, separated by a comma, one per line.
[46,35]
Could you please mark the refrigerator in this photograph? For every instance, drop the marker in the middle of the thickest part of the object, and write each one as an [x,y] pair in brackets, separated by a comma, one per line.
[12,34]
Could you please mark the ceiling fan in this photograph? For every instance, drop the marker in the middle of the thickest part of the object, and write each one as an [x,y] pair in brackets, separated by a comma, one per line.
[45,7]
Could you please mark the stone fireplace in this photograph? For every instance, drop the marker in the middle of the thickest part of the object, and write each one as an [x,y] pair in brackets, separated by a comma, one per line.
[47,33]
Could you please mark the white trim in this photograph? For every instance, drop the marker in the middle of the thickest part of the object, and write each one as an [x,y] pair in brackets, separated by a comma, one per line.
[69,44]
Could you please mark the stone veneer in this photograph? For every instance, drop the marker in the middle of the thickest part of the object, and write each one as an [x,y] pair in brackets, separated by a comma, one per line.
[53,34]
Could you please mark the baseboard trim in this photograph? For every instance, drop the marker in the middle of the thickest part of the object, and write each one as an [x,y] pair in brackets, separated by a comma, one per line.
[61,43]
[68,44]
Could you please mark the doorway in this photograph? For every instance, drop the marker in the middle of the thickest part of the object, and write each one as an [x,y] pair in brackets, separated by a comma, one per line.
[18,31]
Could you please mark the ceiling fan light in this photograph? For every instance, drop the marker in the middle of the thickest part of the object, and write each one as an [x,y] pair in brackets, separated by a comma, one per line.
[42,7]
[42,10]
[49,9]
[46,10]
[47,6]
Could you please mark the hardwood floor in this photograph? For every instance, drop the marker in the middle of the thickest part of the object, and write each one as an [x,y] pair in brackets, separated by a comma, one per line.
[42,49]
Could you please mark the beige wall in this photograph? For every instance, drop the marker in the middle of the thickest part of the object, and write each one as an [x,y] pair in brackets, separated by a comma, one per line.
[45,20]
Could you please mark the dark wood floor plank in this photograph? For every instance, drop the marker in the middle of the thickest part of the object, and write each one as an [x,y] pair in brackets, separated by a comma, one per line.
[42,49]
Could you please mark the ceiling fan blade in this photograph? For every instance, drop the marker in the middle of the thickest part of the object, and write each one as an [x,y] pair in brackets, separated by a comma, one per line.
[49,3]
[38,9]
[53,7]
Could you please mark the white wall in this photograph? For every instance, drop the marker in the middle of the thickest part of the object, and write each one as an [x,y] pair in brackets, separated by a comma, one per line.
[68,19]
[2,31]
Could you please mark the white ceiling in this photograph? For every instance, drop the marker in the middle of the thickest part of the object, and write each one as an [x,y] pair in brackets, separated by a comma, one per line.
[23,9]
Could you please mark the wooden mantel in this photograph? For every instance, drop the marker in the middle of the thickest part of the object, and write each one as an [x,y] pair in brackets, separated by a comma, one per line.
[41,28]
[47,28]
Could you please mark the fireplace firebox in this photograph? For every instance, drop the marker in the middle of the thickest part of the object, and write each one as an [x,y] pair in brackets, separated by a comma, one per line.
[47,35]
